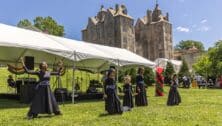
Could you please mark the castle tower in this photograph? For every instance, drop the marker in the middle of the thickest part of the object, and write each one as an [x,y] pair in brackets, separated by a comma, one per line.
[111,27]
[154,35]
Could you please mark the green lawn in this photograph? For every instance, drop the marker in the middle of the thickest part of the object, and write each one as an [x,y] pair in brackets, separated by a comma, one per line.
[199,107]
[66,80]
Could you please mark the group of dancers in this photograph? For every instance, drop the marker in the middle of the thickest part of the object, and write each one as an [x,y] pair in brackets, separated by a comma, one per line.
[44,101]
[112,101]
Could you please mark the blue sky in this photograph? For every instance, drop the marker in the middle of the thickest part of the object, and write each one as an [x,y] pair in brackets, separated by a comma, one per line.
[192,19]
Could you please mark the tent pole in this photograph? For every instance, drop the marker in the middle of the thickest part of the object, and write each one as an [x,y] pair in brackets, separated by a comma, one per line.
[117,74]
[73,78]
[98,75]
[117,79]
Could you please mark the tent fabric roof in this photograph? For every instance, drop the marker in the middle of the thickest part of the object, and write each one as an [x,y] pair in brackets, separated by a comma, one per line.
[124,56]
[17,42]
[162,62]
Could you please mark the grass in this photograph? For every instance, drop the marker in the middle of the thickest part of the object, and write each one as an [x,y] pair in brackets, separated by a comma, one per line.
[199,107]
[66,80]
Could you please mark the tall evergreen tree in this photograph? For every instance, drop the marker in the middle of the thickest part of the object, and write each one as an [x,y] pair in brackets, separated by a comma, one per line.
[184,70]
[149,76]
[168,73]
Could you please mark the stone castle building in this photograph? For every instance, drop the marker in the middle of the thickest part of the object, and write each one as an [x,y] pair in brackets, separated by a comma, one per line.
[111,27]
[154,35]
[151,37]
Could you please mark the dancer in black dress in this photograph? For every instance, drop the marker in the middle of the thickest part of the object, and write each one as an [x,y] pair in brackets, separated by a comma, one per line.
[44,101]
[112,102]
[174,96]
[128,97]
[141,98]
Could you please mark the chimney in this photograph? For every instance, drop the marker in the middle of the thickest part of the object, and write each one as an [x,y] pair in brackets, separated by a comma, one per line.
[167,16]
[149,16]
[117,8]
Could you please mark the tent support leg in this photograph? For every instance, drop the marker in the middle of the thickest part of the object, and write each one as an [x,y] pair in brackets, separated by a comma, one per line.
[117,74]
[73,78]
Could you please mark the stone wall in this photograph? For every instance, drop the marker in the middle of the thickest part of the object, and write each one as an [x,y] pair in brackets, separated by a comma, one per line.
[111,27]
[151,37]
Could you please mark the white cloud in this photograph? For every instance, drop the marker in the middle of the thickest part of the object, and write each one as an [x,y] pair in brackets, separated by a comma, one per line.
[183,29]
[203,21]
[203,28]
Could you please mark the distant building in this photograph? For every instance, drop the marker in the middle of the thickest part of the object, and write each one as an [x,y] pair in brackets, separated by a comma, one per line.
[111,27]
[190,55]
[151,37]
[154,35]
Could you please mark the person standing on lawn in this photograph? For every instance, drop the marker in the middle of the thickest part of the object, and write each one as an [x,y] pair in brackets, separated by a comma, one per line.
[112,102]
[174,96]
[140,98]
[128,97]
[44,101]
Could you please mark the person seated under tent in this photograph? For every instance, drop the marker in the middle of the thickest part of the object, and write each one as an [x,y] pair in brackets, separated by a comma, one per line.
[203,84]
[92,89]
[210,83]
[11,82]
[77,87]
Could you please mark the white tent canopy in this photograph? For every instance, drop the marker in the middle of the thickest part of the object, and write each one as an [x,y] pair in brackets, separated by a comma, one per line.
[96,56]
[162,62]
[123,57]
[17,42]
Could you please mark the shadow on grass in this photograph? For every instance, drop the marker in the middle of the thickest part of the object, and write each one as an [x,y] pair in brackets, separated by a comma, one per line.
[40,117]
[45,116]
[10,104]
[107,114]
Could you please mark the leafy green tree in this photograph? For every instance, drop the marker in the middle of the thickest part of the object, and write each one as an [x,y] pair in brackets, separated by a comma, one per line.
[184,70]
[132,71]
[185,45]
[149,76]
[49,25]
[24,23]
[203,66]
[216,59]
[43,24]
[168,73]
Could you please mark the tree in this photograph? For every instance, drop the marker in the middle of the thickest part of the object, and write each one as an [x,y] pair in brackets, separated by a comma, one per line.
[210,65]
[184,70]
[216,59]
[168,73]
[149,76]
[203,66]
[132,71]
[128,71]
[43,24]
[24,23]
[185,45]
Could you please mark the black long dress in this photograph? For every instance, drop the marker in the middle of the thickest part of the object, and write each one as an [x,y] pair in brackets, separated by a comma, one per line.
[174,96]
[128,97]
[44,101]
[112,102]
[141,97]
